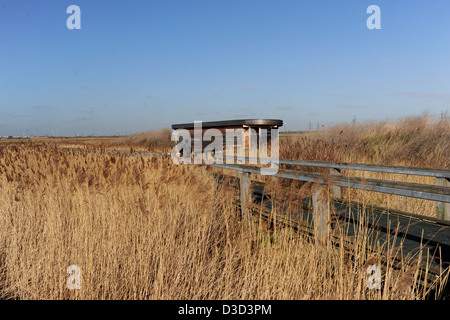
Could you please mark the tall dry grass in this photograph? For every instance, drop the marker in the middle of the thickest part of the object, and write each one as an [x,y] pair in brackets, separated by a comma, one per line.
[411,141]
[418,141]
[144,228]
[156,141]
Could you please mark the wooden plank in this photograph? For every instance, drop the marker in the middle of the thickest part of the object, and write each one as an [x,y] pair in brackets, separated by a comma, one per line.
[419,171]
[321,213]
[414,190]
[443,209]
[414,233]
[335,191]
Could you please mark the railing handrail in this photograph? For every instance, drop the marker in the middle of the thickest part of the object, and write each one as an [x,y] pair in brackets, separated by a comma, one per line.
[419,171]
[407,189]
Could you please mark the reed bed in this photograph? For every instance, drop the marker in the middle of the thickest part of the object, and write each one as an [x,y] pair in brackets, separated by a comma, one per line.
[145,228]
[417,141]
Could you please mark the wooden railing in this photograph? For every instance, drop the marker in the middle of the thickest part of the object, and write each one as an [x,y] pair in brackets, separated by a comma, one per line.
[440,192]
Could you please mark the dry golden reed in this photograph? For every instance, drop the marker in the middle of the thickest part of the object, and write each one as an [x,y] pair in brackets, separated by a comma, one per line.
[144,228]
[418,141]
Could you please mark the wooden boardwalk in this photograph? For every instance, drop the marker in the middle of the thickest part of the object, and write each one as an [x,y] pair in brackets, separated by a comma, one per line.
[390,228]
[406,234]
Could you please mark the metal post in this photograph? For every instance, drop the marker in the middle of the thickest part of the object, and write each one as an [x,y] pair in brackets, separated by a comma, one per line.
[336,191]
[321,214]
[443,208]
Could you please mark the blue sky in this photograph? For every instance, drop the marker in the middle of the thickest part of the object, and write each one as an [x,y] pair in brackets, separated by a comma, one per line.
[143,65]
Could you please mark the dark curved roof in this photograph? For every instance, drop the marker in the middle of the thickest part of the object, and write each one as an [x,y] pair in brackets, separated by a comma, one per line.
[232,123]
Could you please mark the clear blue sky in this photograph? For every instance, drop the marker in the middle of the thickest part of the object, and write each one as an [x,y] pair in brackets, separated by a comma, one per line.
[142,65]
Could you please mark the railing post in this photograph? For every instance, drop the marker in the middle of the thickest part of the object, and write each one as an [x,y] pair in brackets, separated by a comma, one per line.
[321,214]
[336,191]
[443,208]
[244,185]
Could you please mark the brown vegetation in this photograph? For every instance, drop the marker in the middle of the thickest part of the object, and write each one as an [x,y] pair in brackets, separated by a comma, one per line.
[416,141]
[159,140]
[144,228]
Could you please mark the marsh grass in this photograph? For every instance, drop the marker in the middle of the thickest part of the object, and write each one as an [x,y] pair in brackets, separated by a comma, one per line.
[156,141]
[144,228]
[417,141]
